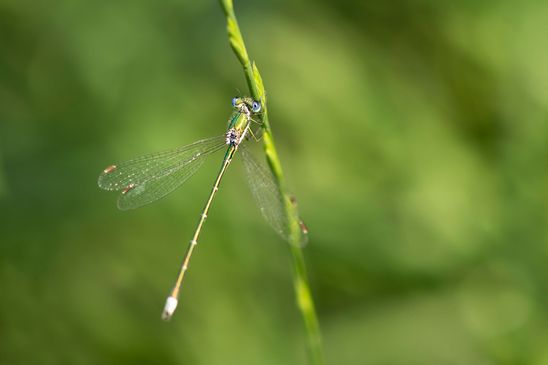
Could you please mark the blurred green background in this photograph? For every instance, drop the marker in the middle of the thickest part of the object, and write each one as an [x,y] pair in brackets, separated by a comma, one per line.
[413,132]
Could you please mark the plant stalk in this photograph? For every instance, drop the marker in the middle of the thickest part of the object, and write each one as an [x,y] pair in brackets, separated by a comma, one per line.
[305,301]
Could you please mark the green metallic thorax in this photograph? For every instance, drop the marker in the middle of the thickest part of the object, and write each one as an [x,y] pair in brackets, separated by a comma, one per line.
[238,121]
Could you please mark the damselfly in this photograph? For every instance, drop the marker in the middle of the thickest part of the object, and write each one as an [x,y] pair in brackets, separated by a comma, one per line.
[150,177]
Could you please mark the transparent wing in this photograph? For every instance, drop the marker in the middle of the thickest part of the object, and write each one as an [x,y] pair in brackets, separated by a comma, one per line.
[150,177]
[154,189]
[270,200]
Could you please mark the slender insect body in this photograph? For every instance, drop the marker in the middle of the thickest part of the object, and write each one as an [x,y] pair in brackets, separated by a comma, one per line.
[150,177]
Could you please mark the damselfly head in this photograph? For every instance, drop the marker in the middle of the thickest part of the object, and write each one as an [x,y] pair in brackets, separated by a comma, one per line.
[246,104]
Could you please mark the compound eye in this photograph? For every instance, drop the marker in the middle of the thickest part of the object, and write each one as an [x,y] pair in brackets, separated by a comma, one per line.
[234,101]
[256,107]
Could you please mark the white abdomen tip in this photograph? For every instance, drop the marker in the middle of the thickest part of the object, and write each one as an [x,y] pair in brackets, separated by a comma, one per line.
[169,308]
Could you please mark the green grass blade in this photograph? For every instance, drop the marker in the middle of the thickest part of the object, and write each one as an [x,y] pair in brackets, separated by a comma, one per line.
[305,301]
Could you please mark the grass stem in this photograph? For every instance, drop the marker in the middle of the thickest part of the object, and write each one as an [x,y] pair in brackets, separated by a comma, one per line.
[304,299]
